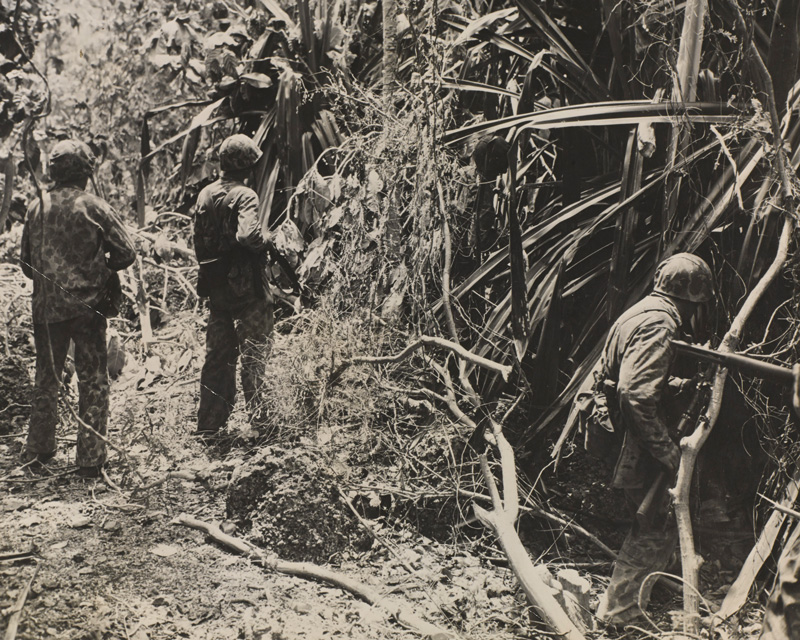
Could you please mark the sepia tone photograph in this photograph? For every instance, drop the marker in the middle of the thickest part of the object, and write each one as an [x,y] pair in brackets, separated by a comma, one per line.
[399,319]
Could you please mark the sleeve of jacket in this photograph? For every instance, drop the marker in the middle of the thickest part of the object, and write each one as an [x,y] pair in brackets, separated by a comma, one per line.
[248,230]
[117,241]
[643,375]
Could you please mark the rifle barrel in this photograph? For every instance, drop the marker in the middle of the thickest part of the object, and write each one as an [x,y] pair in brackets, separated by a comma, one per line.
[737,361]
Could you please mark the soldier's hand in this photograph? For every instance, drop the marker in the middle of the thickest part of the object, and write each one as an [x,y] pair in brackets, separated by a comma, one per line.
[671,459]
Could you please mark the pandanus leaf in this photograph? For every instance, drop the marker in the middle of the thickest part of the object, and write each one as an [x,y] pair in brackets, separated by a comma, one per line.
[519,317]
[202,119]
[544,379]
[622,253]
[596,114]
[190,143]
[554,36]
[306,21]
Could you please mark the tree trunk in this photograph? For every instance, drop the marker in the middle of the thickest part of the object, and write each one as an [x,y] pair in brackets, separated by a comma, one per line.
[683,90]
[691,445]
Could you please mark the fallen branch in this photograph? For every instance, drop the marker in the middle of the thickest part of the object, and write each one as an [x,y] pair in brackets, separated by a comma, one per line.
[449,398]
[502,520]
[426,341]
[16,611]
[538,593]
[397,610]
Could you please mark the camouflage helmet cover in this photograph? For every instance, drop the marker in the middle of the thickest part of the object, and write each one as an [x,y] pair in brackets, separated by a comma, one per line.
[71,160]
[685,276]
[238,152]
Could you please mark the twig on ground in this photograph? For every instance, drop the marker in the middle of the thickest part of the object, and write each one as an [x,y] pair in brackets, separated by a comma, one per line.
[18,556]
[11,480]
[172,475]
[109,481]
[19,468]
[399,611]
[375,535]
[16,612]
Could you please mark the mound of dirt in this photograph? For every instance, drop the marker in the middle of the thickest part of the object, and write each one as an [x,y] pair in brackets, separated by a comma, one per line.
[290,502]
[16,392]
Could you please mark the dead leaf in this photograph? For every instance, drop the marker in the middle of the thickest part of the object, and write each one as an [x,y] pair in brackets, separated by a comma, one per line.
[111,525]
[79,522]
[164,550]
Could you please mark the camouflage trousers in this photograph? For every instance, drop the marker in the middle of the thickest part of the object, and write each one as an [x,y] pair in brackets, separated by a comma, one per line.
[642,553]
[782,614]
[241,330]
[88,333]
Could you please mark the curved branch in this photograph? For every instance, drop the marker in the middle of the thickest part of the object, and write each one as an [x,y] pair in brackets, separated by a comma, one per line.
[426,341]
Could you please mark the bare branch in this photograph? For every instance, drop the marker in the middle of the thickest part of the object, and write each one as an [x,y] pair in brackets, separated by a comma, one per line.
[426,341]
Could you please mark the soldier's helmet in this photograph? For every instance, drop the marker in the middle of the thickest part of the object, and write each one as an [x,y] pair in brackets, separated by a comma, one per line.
[238,152]
[685,276]
[71,160]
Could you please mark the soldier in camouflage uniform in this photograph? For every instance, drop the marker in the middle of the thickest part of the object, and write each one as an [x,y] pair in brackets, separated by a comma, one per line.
[72,244]
[637,357]
[231,252]
[782,613]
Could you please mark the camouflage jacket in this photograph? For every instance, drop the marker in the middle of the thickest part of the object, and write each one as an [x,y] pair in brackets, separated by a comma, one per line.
[71,252]
[229,244]
[638,355]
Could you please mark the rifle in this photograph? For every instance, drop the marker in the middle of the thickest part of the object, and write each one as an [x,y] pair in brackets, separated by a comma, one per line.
[737,361]
[283,263]
[688,419]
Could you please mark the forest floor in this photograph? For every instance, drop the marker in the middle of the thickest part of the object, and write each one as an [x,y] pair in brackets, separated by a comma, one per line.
[104,559]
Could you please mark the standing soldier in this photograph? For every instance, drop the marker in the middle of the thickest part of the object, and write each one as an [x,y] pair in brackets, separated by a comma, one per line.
[231,252]
[637,359]
[72,245]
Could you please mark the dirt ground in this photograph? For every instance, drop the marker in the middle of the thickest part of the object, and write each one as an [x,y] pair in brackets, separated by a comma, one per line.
[108,562]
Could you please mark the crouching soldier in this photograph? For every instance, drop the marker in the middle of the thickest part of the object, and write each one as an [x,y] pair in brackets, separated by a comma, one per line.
[636,364]
[72,245]
[231,252]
